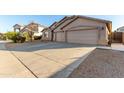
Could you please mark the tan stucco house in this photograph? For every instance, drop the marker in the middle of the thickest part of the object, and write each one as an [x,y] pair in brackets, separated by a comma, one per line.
[81,29]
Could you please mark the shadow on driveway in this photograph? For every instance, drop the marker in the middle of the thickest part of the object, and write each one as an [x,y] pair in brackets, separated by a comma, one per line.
[47,46]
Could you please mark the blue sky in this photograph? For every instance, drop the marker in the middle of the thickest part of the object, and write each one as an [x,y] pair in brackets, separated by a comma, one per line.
[7,21]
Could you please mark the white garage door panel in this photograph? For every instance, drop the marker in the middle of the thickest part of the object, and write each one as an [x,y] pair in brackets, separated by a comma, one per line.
[83,37]
[60,36]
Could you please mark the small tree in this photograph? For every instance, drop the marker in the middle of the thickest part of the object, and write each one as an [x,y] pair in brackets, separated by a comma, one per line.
[30,33]
[26,35]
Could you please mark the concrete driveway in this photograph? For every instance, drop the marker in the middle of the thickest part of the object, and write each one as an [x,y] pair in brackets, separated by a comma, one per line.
[49,59]
[11,66]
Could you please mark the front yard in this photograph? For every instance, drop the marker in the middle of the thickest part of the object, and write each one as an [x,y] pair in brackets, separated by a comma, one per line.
[101,63]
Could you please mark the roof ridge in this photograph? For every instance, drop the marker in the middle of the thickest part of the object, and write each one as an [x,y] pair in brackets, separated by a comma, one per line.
[92,18]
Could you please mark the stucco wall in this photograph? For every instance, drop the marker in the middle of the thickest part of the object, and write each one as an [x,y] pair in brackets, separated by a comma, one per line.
[49,34]
[84,22]
[46,35]
[103,37]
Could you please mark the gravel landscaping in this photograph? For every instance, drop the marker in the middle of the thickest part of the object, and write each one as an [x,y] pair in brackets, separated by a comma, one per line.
[101,63]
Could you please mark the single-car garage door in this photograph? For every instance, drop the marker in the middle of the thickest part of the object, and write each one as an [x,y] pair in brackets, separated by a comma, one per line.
[83,37]
[59,36]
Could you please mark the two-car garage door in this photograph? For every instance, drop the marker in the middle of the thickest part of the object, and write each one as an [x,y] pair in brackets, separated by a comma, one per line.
[82,37]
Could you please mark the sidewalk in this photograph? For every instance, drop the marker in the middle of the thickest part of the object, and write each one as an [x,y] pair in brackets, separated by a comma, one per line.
[114,46]
[118,46]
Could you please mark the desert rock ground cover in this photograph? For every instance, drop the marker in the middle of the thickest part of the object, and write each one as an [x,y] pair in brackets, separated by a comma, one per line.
[101,63]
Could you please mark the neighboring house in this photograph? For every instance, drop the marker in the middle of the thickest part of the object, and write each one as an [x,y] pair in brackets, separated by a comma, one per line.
[47,32]
[18,27]
[120,29]
[32,27]
[81,29]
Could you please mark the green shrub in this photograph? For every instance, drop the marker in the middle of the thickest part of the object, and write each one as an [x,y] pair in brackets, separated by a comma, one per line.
[12,36]
[3,37]
[20,39]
